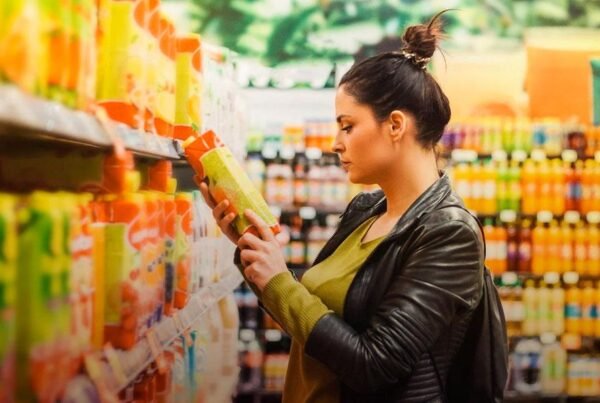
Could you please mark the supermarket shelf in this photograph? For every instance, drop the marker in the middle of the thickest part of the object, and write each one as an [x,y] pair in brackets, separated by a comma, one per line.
[308,210]
[129,364]
[23,116]
[465,155]
[547,398]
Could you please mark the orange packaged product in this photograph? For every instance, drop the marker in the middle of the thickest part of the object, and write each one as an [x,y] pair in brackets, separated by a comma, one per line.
[188,91]
[226,179]
[164,113]
[182,252]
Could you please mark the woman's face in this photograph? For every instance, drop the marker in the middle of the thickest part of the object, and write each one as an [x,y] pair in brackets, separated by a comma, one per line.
[362,142]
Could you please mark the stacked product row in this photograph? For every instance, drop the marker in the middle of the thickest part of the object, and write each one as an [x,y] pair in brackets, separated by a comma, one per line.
[99,269]
[486,135]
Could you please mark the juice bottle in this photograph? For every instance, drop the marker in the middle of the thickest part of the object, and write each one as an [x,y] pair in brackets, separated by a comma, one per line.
[183,240]
[525,247]
[544,308]
[8,273]
[153,270]
[539,241]
[164,117]
[570,187]
[554,247]
[593,250]
[491,258]
[530,304]
[553,377]
[587,186]
[557,187]
[512,242]
[19,43]
[462,183]
[501,237]
[226,180]
[544,186]
[488,203]
[514,186]
[576,185]
[581,248]
[567,239]
[188,86]
[529,186]
[502,187]
[557,298]
[588,309]
[596,187]
[597,302]
[476,179]
[121,62]
[573,310]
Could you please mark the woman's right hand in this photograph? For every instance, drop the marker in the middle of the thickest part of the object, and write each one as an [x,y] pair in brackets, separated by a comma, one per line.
[223,219]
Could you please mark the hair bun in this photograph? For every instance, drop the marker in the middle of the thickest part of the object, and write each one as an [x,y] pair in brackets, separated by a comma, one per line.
[421,40]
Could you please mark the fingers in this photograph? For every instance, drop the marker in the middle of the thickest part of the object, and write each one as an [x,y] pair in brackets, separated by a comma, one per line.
[250,273]
[248,256]
[250,241]
[220,209]
[263,229]
[205,193]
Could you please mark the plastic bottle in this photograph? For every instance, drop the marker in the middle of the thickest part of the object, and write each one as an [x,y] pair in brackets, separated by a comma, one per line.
[580,248]
[597,302]
[588,309]
[491,259]
[573,310]
[544,186]
[529,186]
[530,303]
[587,186]
[557,187]
[596,186]
[300,180]
[502,187]
[512,246]
[539,241]
[462,183]
[554,363]
[514,186]
[554,248]
[544,308]
[477,188]
[570,187]
[501,249]
[576,185]
[567,239]
[557,309]
[488,204]
[525,247]
[527,366]
[593,249]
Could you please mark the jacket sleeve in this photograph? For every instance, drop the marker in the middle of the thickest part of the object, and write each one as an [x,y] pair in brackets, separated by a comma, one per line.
[440,275]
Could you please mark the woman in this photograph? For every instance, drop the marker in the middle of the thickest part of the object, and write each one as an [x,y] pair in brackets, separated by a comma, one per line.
[381,314]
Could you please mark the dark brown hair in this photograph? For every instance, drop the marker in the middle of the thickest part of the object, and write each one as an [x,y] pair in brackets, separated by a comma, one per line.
[399,81]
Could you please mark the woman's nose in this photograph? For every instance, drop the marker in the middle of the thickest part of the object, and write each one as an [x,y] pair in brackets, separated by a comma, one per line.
[338,147]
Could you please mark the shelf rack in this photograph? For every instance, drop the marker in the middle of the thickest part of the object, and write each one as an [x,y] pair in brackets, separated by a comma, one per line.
[26,116]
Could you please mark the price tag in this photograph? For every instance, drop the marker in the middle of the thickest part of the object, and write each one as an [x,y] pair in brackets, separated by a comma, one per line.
[551,278]
[93,367]
[593,217]
[571,277]
[156,351]
[538,155]
[509,278]
[569,155]
[572,217]
[308,213]
[508,216]
[544,216]
[115,364]
[519,155]
[499,155]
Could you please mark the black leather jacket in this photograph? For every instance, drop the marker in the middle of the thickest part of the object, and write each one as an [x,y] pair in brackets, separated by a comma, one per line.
[410,301]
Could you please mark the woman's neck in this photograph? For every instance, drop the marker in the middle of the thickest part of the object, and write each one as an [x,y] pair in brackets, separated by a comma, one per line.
[410,179]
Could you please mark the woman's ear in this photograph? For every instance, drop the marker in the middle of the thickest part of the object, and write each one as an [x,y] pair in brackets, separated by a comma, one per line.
[398,122]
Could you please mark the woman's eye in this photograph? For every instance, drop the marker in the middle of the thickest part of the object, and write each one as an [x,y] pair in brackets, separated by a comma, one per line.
[347,129]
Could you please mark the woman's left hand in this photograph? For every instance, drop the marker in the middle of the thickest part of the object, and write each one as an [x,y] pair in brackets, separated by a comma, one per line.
[262,257]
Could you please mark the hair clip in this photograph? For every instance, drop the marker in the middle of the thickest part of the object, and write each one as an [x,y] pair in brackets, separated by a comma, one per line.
[416,60]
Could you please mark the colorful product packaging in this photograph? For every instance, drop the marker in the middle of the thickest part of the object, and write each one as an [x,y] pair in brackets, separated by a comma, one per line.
[98,255]
[19,43]
[188,89]
[150,42]
[121,61]
[42,292]
[182,253]
[8,272]
[215,164]
[164,114]
[83,74]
